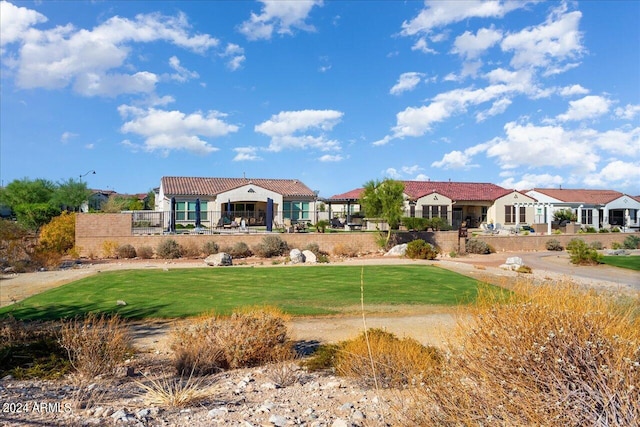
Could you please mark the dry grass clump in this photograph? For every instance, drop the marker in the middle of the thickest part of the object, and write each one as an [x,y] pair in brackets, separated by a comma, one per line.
[346,250]
[547,355]
[96,345]
[248,337]
[177,392]
[392,362]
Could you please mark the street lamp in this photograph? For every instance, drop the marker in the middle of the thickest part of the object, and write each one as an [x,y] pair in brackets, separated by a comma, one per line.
[85,174]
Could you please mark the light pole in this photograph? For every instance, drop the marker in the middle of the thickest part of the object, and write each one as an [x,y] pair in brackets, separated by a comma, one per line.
[85,174]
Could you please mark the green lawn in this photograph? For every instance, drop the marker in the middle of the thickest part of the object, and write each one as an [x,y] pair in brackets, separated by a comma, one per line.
[631,262]
[308,290]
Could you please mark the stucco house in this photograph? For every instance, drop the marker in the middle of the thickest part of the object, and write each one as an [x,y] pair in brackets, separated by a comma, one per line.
[594,208]
[456,202]
[223,199]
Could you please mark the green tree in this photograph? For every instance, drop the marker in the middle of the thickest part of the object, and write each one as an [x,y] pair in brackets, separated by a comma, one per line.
[384,199]
[31,201]
[71,194]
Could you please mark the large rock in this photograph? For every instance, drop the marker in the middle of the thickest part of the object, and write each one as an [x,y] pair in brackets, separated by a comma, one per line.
[219,260]
[515,260]
[398,250]
[296,256]
[309,257]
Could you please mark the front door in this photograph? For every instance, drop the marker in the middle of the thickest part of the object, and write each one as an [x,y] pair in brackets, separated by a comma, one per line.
[456,218]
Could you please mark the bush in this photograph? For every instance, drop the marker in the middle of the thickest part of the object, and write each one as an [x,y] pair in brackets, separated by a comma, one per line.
[414,223]
[590,229]
[31,350]
[145,252]
[238,250]
[271,246]
[210,248]
[615,230]
[581,253]
[59,235]
[478,247]
[96,345]
[554,245]
[631,242]
[547,355]
[397,362]
[419,249]
[603,230]
[14,242]
[169,249]
[597,245]
[109,249]
[321,225]
[616,245]
[190,249]
[126,251]
[246,338]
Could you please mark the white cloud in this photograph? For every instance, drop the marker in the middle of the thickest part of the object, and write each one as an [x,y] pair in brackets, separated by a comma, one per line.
[628,112]
[235,55]
[498,107]
[471,46]
[453,160]
[290,129]
[279,17]
[15,21]
[174,130]
[531,146]
[331,158]
[547,45]
[530,181]
[616,173]
[422,46]
[181,73]
[410,170]
[94,61]
[392,173]
[573,90]
[66,136]
[421,177]
[406,82]
[589,107]
[246,154]
[440,13]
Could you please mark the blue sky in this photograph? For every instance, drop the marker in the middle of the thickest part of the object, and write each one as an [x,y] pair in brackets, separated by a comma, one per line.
[519,93]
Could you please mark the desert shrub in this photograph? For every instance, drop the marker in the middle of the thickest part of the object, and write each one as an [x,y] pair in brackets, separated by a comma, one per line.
[246,338]
[323,358]
[145,252]
[210,248]
[415,223]
[169,249]
[386,242]
[590,229]
[419,249]
[109,249]
[31,350]
[524,269]
[398,362]
[616,245]
[631,242]
[14,242]
[238,250]
[597,245]
[126,251]
[178,392]
[478,247]
[59,235]
[603,230]
[190,249]
[270,246]
[549,355]
[554,245]
[346,250]
[615,230]
[581,253]
[96,345]
[556,231]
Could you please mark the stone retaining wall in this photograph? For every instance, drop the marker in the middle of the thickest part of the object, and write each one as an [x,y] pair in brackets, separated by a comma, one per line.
[539,242]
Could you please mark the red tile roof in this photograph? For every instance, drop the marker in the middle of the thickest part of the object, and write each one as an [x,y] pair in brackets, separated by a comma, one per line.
[197,186]
[596,197]
[462,191]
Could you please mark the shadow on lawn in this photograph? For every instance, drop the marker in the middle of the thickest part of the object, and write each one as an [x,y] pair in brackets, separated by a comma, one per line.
[55,312]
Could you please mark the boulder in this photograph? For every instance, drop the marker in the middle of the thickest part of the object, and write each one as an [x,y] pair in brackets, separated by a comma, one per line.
[516,260]
[220,259]
[398,250]
[309,257]
[296,256]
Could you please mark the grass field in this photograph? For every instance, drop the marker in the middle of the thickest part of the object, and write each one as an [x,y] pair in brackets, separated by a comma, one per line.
[630,262]
[309,290]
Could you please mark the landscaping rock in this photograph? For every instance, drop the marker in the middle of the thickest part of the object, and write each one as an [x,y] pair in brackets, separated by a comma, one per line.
[296,256]
[398,250]
[309,257]
[219,260]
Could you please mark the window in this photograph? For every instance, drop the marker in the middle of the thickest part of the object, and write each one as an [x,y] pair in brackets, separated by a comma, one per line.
[587,216]
[510,214]
[295,210]
[186,211]
[435,211]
